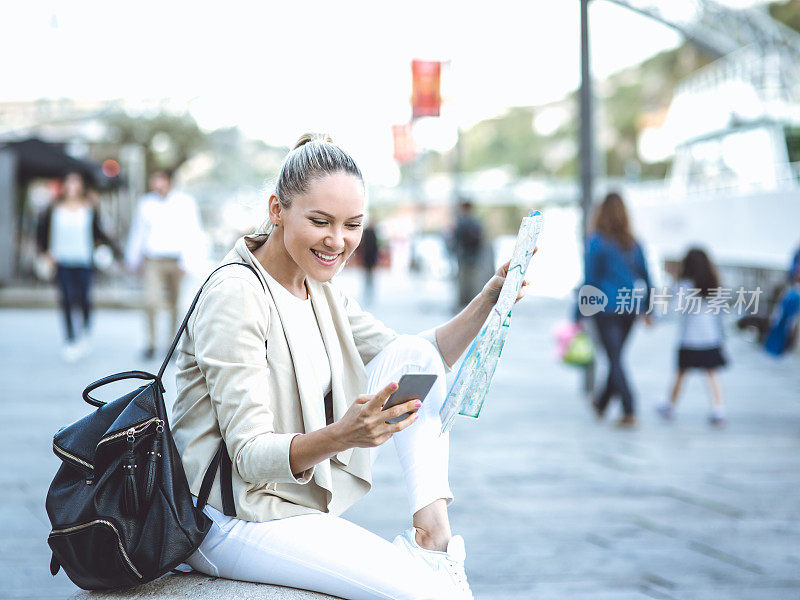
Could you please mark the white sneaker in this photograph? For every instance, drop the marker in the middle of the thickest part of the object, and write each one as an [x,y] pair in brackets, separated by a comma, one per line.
[449,564]
[84,345]
[666,411]
[717,419]
[71,352]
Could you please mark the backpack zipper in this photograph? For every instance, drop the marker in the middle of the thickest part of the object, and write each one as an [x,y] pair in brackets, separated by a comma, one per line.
[71,457]
[109,524]
[131,431]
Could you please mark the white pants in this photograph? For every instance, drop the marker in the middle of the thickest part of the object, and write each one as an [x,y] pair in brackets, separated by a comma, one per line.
[329,554]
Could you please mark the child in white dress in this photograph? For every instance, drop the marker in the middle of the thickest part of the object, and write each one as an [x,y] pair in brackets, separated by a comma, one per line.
[701,333]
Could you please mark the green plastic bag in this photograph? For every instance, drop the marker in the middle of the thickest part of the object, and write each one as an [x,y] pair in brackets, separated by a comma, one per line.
[580,351]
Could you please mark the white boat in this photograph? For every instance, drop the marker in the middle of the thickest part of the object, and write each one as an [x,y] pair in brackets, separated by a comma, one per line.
[734,186]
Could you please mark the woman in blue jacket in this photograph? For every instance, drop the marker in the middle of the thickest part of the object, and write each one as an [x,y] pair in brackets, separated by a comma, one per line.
[615,265]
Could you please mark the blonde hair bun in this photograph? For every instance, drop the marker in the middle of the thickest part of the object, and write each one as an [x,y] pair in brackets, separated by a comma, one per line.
[312,137]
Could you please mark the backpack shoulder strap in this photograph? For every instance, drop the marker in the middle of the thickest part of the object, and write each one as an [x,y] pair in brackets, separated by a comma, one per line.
[221,459]
[222,462]
[182,328]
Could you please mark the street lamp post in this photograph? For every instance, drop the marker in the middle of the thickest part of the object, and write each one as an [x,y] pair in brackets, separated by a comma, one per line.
[586,149]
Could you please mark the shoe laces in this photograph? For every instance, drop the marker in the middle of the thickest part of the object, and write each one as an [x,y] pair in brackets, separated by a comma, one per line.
[458,575]
[442,561]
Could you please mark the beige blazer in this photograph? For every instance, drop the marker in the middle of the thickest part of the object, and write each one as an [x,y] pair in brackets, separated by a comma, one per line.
[242,378]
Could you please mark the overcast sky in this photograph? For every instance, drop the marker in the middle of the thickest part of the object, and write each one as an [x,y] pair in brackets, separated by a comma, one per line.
[278,69]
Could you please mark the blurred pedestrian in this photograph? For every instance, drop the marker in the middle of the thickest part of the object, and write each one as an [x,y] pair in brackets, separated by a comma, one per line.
[701,333]
[369,258]
[785,322]
[165,228]
[67,234]
[768,322]
[468,244]
[794,267]
[615,264]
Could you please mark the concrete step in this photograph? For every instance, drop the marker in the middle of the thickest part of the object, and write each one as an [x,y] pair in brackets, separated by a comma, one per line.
[196,586]
[104,295]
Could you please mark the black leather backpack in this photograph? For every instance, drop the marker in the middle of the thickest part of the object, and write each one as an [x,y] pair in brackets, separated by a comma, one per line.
[120,505]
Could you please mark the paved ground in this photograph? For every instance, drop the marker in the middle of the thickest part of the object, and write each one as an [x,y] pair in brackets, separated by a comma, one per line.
[552,504]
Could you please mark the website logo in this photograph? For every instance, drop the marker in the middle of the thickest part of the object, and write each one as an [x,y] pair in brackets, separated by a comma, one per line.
[591,300]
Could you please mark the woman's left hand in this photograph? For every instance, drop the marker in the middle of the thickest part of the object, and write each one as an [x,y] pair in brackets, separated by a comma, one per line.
[491,291]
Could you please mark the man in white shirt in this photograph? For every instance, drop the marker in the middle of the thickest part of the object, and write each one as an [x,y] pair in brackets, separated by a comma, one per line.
[165,228]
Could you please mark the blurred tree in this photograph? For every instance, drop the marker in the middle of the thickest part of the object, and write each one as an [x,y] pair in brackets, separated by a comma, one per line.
[639,91]
[511,139]
[169,140]
[236,160]
[787,13]
[507,140]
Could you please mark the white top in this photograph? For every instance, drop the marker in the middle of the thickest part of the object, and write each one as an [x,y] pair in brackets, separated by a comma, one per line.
[71,240]
[164,228]
[301,318]
[701,324]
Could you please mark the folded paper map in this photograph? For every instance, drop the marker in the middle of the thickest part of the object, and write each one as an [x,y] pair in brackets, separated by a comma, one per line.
[472,381]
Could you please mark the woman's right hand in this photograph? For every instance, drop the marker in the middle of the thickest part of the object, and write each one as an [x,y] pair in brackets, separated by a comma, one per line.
[364,424]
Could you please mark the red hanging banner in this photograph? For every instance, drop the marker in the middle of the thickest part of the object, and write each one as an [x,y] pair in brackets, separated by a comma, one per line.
[425,95]
[404,149]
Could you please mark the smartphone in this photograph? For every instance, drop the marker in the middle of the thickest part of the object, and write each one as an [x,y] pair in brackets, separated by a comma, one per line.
[411,385]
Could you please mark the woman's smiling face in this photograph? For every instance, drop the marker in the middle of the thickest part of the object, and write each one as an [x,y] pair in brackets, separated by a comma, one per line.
[322,227]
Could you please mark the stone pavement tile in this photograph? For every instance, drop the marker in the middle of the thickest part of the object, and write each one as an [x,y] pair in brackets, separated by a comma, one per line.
[788,591]
[19,546]
[608,588]
[644,589]
[33,582]
[17,519]
[687,563]
[751,545]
